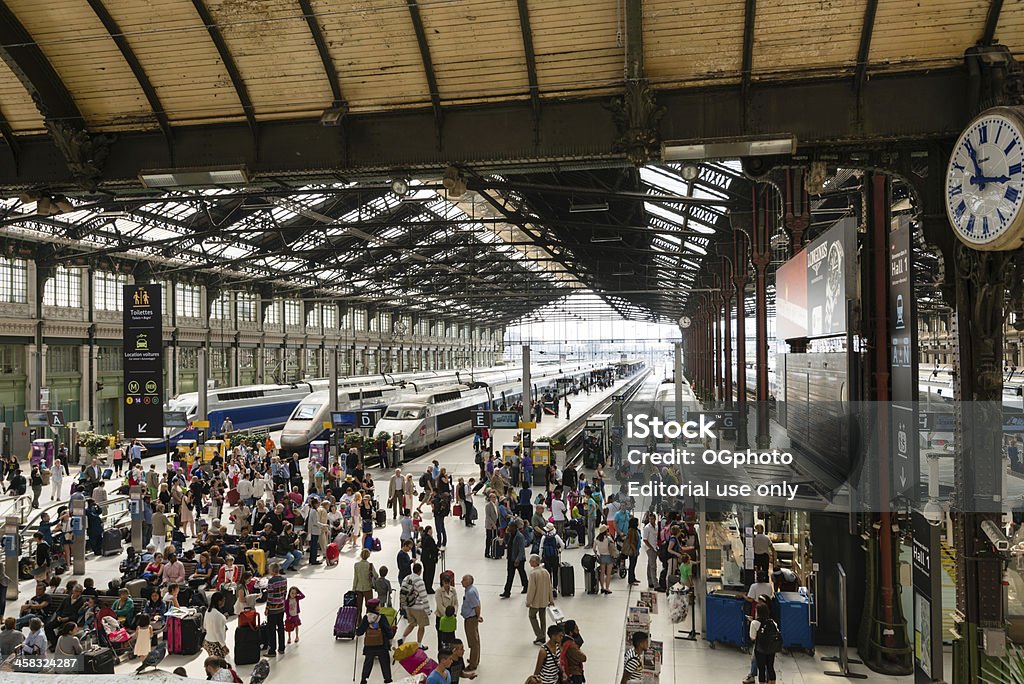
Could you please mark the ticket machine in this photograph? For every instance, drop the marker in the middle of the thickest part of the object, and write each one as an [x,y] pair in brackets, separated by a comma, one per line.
[318,451]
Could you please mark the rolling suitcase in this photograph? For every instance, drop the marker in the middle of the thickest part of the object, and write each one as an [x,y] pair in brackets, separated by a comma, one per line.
[566,580]
[259,559]
[414,659]
[345,623]
[247,645]
[108,473]
[497,548]
[331,554]
[185,635]
[590,579]
[98,660]
[382,517]
[111,542]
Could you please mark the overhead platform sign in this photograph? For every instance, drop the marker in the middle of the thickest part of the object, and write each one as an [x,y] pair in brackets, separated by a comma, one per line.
[143,362]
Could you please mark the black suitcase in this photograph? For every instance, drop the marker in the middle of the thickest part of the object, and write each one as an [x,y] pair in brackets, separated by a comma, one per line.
[382,517]
[98,660]
[247,646]
[112,542]
[566,580]
[498,548]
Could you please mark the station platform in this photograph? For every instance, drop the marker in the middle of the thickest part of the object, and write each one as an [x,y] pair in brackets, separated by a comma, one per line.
[508,654]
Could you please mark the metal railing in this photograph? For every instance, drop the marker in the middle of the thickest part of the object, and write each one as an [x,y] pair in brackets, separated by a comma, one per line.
[17,507]
[116,514]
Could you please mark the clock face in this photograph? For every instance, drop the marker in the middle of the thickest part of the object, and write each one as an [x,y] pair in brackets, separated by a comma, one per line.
[985,182]
[684,322]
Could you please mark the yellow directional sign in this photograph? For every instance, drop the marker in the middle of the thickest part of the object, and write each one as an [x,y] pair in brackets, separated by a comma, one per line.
[527,426]
[328,425]
[200,423]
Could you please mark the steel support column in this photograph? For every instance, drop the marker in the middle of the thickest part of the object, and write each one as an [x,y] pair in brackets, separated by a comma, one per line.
[717,317]
[884,648]
[740,278]
[727,276]
[761,259]
[981,281]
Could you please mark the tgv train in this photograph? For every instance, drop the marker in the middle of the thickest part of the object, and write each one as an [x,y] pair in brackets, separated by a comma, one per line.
[306,422]
[253,407]
[436,415]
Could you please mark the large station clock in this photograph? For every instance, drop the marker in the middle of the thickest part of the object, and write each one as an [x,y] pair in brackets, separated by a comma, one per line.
[985,181]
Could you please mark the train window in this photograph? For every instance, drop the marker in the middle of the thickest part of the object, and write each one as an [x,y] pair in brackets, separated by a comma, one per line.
[404,413]
[306,411]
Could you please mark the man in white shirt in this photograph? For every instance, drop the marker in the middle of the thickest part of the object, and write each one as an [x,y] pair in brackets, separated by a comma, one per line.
[558,511]
[245,492]
[763,548]
[649,537]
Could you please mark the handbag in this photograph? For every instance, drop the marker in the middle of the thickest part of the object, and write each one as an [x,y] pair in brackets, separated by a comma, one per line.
[249,618]
[457,510]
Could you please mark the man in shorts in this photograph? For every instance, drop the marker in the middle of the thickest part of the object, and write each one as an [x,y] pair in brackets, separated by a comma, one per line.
[415,601]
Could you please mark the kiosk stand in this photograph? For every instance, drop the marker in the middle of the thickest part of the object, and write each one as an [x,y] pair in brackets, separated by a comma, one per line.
[135,503]
[78,532]
[12,550]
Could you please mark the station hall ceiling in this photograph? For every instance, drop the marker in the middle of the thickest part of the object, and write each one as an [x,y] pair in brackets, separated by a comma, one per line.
[317,105]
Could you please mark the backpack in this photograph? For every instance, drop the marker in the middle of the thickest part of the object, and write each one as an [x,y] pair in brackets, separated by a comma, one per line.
[374,636]
[549,547]
[663,551]
[769,639]
[234,676]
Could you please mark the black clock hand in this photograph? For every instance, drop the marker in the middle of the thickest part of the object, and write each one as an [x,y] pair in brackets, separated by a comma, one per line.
[981,180]
[976,178]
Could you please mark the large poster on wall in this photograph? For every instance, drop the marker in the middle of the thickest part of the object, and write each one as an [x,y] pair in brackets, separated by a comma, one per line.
[812,287]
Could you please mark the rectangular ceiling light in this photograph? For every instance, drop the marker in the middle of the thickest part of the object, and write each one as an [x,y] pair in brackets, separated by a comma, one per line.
[727,148]
[605,238]
[583,208]
[177,178]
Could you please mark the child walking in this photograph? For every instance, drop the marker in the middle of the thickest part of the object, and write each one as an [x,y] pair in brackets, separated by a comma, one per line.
[291,613]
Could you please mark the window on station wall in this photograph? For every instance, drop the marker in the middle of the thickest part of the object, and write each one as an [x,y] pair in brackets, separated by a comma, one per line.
[63,288]
[62,359]
[291,363]
[273,315]
[247,307]
[359,319]
[188,300]
[107,291]
[313,362]
[188,358]
[384,321]
[111,359]
[292,312]
[11,356]
[246,357]
[374,323]
[218,359]
[13,281]
[313,316]
[345,318]
[330,316]
[165,298]
[220,308]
